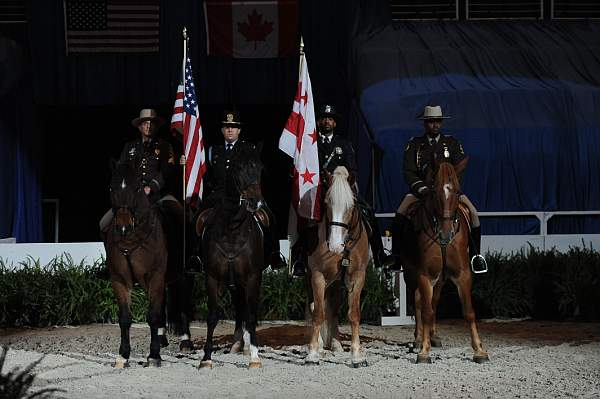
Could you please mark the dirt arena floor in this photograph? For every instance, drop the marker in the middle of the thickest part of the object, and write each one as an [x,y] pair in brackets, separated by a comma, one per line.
[529,359]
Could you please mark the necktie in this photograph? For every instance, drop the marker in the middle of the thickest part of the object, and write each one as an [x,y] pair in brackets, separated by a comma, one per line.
[229,146]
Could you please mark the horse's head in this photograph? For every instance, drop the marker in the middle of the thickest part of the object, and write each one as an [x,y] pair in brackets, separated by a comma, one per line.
[126,196]
[446,190]
[246,177]
[339,201]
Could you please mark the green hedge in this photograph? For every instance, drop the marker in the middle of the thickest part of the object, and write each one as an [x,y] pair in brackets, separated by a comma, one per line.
[544,285]
[538,284]
[68,293]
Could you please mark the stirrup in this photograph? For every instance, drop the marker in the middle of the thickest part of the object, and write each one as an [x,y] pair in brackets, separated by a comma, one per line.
[298,269]
[482,266]
[194,265]
[277,261]
[391,263]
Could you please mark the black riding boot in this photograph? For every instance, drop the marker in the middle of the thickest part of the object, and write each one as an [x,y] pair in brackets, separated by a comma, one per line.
[392,262]
[272,250]
[375,237]
[478,262]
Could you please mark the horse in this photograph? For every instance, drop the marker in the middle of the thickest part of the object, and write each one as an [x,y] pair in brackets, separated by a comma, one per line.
[136,250]
[233,243]
[339,260]
[440,252]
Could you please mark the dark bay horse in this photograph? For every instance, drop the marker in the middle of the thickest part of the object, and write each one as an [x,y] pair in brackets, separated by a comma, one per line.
[339,260]
[233,246]
[136,250]
[441,252]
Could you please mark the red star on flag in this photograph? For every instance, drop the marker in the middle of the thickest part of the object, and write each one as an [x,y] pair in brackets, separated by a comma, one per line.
[307,176]
[314,136]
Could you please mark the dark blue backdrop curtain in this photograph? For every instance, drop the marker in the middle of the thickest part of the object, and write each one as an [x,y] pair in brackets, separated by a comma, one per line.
[20,196]
[524,100]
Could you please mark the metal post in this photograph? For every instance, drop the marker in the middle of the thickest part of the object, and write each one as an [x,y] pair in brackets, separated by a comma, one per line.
[185,39]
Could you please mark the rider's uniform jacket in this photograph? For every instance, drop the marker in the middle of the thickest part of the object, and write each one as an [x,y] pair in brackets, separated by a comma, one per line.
[154,162]
[419,154]
[219,161]
[337,152]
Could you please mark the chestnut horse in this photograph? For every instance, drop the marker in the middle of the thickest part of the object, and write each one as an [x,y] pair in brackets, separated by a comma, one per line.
[136,250]
[441,252]
[233,246]
[339,260]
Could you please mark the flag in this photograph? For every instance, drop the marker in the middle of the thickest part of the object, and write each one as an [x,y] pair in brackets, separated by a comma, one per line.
[186,120]
[111,26]
[299,141]
[251,29]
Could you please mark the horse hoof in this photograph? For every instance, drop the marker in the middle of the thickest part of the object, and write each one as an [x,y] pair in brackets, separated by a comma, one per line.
[186,346]
[152,362]
[164,342]
[361,363]
[423,359]
[436,342]
[236,347]
[255,365]
[481,359]
[336,346]
[206,364]
[311,362]
[121,363]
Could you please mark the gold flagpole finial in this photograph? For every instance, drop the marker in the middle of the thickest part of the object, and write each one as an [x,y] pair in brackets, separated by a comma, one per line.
[301,45]
[185,36]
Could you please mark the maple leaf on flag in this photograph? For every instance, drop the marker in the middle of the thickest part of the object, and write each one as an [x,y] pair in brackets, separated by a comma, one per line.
[255,30]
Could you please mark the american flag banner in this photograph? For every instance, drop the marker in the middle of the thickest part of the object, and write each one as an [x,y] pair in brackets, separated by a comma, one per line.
[186,120]
[299,141]
[112,26]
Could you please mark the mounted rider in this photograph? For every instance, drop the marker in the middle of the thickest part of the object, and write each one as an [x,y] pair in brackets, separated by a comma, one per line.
[220,158]
[154,162]
[418,156]
[334,151]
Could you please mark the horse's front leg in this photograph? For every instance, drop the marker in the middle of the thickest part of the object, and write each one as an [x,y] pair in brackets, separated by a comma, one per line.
[238,333]
[156,292]
[355,283]
[318,315]
[212,286]
[425,288]
[123,294]
[252,294]
[436,341]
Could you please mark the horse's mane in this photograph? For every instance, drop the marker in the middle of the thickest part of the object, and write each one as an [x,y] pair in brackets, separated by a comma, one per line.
[446,173]
[340,194]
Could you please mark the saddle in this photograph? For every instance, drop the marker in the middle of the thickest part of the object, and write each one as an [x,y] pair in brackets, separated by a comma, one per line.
[261,215]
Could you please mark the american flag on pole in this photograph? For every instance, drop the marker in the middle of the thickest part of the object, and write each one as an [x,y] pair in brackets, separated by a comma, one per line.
[186,120]
[299,141]
[112,26]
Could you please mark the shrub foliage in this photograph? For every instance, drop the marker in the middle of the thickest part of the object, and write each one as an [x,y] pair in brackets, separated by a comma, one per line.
[528,284]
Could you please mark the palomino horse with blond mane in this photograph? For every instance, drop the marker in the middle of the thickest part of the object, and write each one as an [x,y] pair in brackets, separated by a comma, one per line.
[441,252]
[340,258]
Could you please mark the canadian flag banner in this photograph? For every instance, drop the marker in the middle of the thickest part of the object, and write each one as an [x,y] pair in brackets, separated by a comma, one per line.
[299,141]
[251,29]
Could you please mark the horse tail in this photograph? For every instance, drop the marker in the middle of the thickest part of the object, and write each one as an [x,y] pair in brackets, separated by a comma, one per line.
[333,302]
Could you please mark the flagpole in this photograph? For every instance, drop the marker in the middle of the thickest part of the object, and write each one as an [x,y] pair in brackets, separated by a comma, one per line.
[185,39]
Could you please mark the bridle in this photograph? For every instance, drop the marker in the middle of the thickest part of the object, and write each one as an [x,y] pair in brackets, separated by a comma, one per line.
[352,234]
[128,231]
